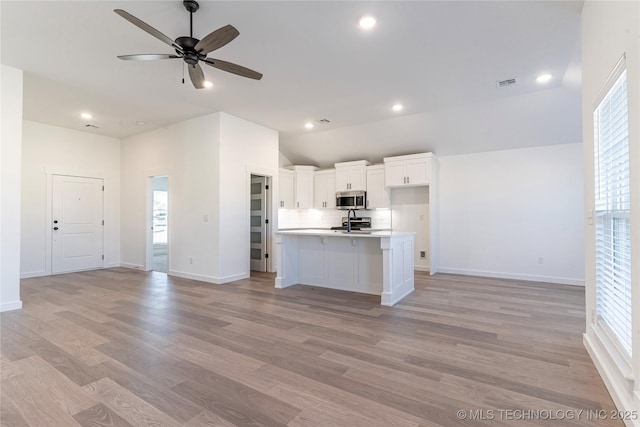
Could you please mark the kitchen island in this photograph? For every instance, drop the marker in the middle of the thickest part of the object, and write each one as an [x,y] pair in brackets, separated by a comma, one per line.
[370,262]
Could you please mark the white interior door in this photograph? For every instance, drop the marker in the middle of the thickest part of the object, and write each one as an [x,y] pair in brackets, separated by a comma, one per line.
[77,224]
[258,222]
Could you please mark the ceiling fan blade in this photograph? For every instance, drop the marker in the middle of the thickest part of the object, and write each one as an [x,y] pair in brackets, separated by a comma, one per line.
[146,27]
[233,68]
[197,76]
[147,57]
[217,39]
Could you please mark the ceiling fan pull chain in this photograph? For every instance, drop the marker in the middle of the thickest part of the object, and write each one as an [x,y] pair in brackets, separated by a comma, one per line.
[183,65]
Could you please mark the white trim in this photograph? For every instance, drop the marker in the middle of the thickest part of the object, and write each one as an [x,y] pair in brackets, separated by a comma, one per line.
[148,213]
[106,196]
[390,298]
[421,268]
[615,383]
[272,196]
[13,305]
[515,276]
[208,279]
[616,356]
[131,266]
[615,73]
[30,274]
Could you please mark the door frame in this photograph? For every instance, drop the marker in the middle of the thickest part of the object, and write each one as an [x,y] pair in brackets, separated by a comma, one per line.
[266,182]
[270,196]
[148,212]
[108,220]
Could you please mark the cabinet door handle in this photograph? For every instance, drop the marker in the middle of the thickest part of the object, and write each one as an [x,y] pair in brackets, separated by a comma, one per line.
[407,180]
[298,204]
[404,179]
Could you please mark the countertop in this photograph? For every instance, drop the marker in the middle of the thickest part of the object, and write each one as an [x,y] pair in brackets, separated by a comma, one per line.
[341,233]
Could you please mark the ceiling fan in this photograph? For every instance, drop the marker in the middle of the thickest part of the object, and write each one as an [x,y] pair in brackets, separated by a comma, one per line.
[191,50]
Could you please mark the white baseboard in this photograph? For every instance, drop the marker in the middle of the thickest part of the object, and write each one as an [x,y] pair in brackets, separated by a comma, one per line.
[500,275]
[30,274]
[113,265]
[617,385]
[420,268]
[8,306]
[208,279]
[390,298]
[131,266]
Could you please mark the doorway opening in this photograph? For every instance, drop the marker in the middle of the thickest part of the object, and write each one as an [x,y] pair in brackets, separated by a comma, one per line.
[260,226]
[159,224]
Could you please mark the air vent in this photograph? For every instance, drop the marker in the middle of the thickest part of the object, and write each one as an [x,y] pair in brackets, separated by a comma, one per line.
[507,82]
[323,121]
[88,125]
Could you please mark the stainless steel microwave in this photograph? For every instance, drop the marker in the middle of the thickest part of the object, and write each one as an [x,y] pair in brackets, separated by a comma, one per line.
[351,200]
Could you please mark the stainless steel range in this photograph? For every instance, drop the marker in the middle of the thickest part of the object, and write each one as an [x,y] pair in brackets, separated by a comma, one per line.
[357,223]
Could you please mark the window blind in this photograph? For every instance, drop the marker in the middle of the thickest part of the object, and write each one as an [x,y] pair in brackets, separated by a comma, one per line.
[612,213]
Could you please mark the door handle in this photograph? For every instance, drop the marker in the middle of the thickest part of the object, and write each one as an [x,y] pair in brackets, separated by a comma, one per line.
[55,228]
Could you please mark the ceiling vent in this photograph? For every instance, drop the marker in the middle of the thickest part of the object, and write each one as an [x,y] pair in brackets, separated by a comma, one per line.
[507,82]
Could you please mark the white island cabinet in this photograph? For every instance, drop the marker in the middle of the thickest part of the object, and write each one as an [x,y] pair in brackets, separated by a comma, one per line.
[379,262]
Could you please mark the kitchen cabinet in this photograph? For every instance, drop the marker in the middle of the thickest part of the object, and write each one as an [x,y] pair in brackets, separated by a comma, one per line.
[324,189]
[378,195]
[286,189]
[302,186]
[408,171]
[351,175]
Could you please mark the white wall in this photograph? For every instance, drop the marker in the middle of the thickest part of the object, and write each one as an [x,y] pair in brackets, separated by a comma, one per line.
[410,212]
[10,163]
[283,160]
[187,153]
[208,161]
[610,29]
[245,148]
[48,150]
[502,210]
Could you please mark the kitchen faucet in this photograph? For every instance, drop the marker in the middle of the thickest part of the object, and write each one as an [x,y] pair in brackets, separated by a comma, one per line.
[349,219]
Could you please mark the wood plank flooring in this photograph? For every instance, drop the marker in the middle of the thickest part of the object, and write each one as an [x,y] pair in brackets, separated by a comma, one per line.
[120,347]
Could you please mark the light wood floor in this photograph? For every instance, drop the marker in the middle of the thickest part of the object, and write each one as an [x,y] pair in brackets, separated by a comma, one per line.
[120,347]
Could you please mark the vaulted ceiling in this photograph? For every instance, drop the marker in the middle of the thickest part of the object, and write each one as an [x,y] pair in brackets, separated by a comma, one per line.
[440,59]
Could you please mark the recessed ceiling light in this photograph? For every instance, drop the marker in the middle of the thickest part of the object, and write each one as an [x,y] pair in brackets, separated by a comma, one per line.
[397,107]
[367,22]
[141,123]
[543,78]
[308,125]
[86,116]
[208,85]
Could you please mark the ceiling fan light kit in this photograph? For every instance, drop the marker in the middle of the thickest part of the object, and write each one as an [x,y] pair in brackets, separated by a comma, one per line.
[191,50]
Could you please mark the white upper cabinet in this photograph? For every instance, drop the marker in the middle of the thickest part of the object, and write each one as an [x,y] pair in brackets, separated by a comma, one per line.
[286,188]
[351,175]
[324,189]
[302,186]
[378,196]
[412,170]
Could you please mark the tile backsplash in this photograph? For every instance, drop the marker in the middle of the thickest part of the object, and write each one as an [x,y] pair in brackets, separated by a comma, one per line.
[326,218]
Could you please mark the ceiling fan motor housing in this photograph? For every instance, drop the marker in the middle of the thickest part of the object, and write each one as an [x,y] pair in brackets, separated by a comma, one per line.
[191,5]
[188,44]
